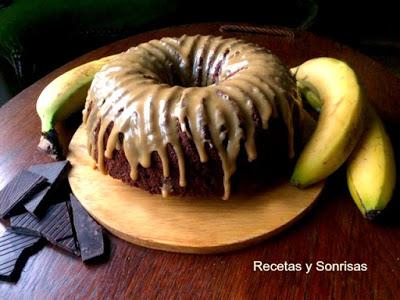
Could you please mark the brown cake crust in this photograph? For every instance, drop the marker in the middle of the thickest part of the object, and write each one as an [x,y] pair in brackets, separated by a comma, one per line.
[205,179]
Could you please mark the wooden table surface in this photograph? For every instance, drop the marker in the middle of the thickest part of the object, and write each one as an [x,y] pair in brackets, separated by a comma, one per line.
[332,232]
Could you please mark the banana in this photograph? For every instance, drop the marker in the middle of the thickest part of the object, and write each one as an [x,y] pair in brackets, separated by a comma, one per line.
[371,169]
[61,98]
[340,122]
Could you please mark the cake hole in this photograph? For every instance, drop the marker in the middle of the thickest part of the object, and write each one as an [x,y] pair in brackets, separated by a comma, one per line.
[179,76]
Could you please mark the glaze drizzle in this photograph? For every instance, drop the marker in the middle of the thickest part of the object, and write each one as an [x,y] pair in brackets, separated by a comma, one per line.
[201,82]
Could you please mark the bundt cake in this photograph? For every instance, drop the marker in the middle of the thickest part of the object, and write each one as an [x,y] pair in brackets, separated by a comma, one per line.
[182,115]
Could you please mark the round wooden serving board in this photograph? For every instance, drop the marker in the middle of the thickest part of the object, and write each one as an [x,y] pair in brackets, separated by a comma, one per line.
[183,224]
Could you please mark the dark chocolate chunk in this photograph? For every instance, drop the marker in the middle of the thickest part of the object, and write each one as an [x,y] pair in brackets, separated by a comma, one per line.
[18,190]
[36,205]
[55,226]
[52,171]
[55,173]
[15,249]
[88,232]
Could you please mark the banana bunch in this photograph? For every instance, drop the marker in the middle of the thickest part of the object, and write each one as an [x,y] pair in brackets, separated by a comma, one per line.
[61,98]
[347,130]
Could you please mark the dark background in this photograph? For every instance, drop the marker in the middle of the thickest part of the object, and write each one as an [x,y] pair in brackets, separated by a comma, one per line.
[37,36]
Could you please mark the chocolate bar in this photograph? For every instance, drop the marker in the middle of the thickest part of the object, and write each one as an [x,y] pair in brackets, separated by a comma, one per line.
[55,226]
[15,249]
[88,233]
[18,190]
[55,173]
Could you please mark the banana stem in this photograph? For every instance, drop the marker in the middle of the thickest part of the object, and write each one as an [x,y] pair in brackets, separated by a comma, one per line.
[310,94]
[50,144]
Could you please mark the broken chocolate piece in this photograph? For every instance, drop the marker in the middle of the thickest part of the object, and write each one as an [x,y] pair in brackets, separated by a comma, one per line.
[15,249]
[52,171]
[18,190]
[55,173]
[36,205]
[56,227]
[88,232]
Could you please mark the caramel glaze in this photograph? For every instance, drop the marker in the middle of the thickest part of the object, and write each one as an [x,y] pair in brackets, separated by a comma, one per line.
[201,82]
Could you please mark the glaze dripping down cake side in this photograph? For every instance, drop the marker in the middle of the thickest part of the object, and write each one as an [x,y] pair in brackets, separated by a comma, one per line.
[183,115]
